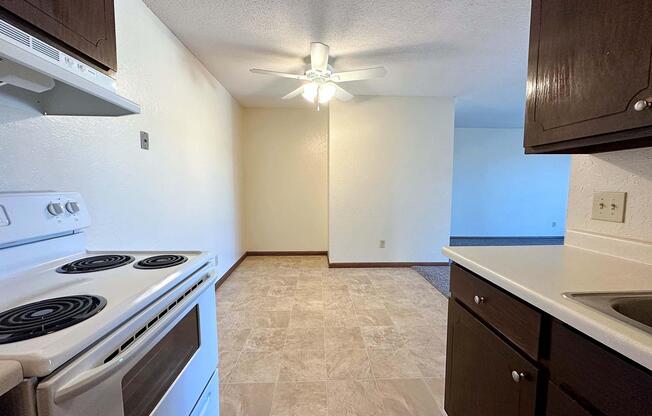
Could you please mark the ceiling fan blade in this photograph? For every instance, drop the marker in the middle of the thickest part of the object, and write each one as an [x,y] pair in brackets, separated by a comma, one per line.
[319,56]
[293,94]
[342,94]
[278,74]
[359,74]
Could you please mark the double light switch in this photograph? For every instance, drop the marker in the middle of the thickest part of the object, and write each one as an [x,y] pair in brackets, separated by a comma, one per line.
[609,206]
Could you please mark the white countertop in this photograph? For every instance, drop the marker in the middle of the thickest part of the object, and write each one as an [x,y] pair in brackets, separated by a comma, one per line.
[540,275]
[11,374]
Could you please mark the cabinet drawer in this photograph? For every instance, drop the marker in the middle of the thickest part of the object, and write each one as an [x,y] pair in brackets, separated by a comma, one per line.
[559,403]
[484,375]
[513,318]
[604,380]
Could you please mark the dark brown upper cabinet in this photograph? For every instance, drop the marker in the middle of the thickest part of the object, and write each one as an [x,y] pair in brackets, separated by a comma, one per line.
[85,28]
[589,83]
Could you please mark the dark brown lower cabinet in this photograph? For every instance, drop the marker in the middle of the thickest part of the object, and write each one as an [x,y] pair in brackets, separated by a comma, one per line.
[607,382]
[570,374]
[479,379]
[559,403]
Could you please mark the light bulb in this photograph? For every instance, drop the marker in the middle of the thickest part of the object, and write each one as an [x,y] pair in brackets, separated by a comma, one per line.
[310,92]
[326,92]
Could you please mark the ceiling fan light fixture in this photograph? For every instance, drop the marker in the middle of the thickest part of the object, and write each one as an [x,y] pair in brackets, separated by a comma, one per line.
[326,92]
[310,92]
[321,81]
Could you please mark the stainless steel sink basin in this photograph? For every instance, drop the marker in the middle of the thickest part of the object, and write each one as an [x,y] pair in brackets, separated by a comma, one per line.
[632,308]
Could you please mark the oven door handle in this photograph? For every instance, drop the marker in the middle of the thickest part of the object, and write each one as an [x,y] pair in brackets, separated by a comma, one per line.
[204,407]
[91,378]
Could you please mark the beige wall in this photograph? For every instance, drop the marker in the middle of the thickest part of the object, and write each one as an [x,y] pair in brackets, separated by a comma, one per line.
[285,179]
[390,178]
[184,193]
[628,171]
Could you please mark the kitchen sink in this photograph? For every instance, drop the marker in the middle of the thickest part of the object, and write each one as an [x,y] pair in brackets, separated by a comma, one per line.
[634,308]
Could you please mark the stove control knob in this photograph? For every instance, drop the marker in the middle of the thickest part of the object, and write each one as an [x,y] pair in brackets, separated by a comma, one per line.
[55,208]
[72,207]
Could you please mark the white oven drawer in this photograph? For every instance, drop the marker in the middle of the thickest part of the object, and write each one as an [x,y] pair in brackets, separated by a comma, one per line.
[209,403]
[163,372]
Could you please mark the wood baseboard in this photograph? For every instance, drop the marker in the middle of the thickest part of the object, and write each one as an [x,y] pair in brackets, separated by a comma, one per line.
[330,265]
[385,264]
[231,269]
[287,253]
[265,253]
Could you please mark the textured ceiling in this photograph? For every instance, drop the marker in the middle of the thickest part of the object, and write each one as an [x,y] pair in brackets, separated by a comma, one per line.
[475,50]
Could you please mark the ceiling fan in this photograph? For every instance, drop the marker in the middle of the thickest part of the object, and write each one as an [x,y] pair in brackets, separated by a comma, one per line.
[321,85]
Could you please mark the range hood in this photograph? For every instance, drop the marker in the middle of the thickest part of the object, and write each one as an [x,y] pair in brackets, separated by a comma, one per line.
[37,77]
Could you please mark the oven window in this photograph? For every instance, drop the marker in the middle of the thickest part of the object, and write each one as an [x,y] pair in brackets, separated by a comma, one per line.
[145,384]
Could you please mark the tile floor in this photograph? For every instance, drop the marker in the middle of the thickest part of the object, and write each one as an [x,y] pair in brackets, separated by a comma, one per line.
[297,338]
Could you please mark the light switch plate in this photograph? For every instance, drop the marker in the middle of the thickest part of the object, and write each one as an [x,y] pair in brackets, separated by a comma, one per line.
[144,140]
[609,206]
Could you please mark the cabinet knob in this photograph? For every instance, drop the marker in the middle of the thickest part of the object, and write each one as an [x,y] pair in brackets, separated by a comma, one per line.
[643,104]
[478,299]
[517,376]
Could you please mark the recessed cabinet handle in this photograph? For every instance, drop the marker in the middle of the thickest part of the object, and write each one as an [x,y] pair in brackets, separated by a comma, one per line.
[478,299]
[643,104]
[517,376]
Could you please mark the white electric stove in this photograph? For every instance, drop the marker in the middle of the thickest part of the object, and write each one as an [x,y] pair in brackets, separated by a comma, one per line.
[105,333]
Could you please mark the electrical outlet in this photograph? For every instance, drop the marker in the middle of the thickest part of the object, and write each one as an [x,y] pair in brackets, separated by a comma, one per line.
[609,206]
[144,140]
[382,243]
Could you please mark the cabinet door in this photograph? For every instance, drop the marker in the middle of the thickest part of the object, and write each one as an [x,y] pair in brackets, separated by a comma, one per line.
[479,368]
[560,404]
[602,379]
[589,63]
[86,26]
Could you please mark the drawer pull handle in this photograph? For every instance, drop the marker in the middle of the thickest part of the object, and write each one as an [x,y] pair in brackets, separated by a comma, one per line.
[478,299]
[517,377]
[642,104]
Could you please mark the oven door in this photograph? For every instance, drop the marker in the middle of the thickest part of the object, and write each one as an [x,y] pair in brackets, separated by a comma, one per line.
[163,372]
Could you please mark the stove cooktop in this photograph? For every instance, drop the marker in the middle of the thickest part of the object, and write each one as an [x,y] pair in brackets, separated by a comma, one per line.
[46,316]
[95,263]
[111,261]
[125,288]
[161,262]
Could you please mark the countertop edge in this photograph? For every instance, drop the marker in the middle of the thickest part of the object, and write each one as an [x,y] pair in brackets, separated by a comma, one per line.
[587,323]
[11,375]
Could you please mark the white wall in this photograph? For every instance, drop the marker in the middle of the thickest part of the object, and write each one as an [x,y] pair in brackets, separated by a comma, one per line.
[184,192]
[390,177]
[498,191]
[286,179]
[626,171]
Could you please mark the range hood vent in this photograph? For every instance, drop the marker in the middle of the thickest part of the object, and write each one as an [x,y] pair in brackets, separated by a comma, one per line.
[37,77]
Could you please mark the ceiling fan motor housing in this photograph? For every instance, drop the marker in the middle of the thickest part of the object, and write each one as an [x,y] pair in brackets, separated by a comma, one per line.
[317,75]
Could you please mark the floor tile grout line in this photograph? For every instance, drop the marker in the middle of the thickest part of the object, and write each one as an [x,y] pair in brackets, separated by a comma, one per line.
[233,368]
[356,309]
